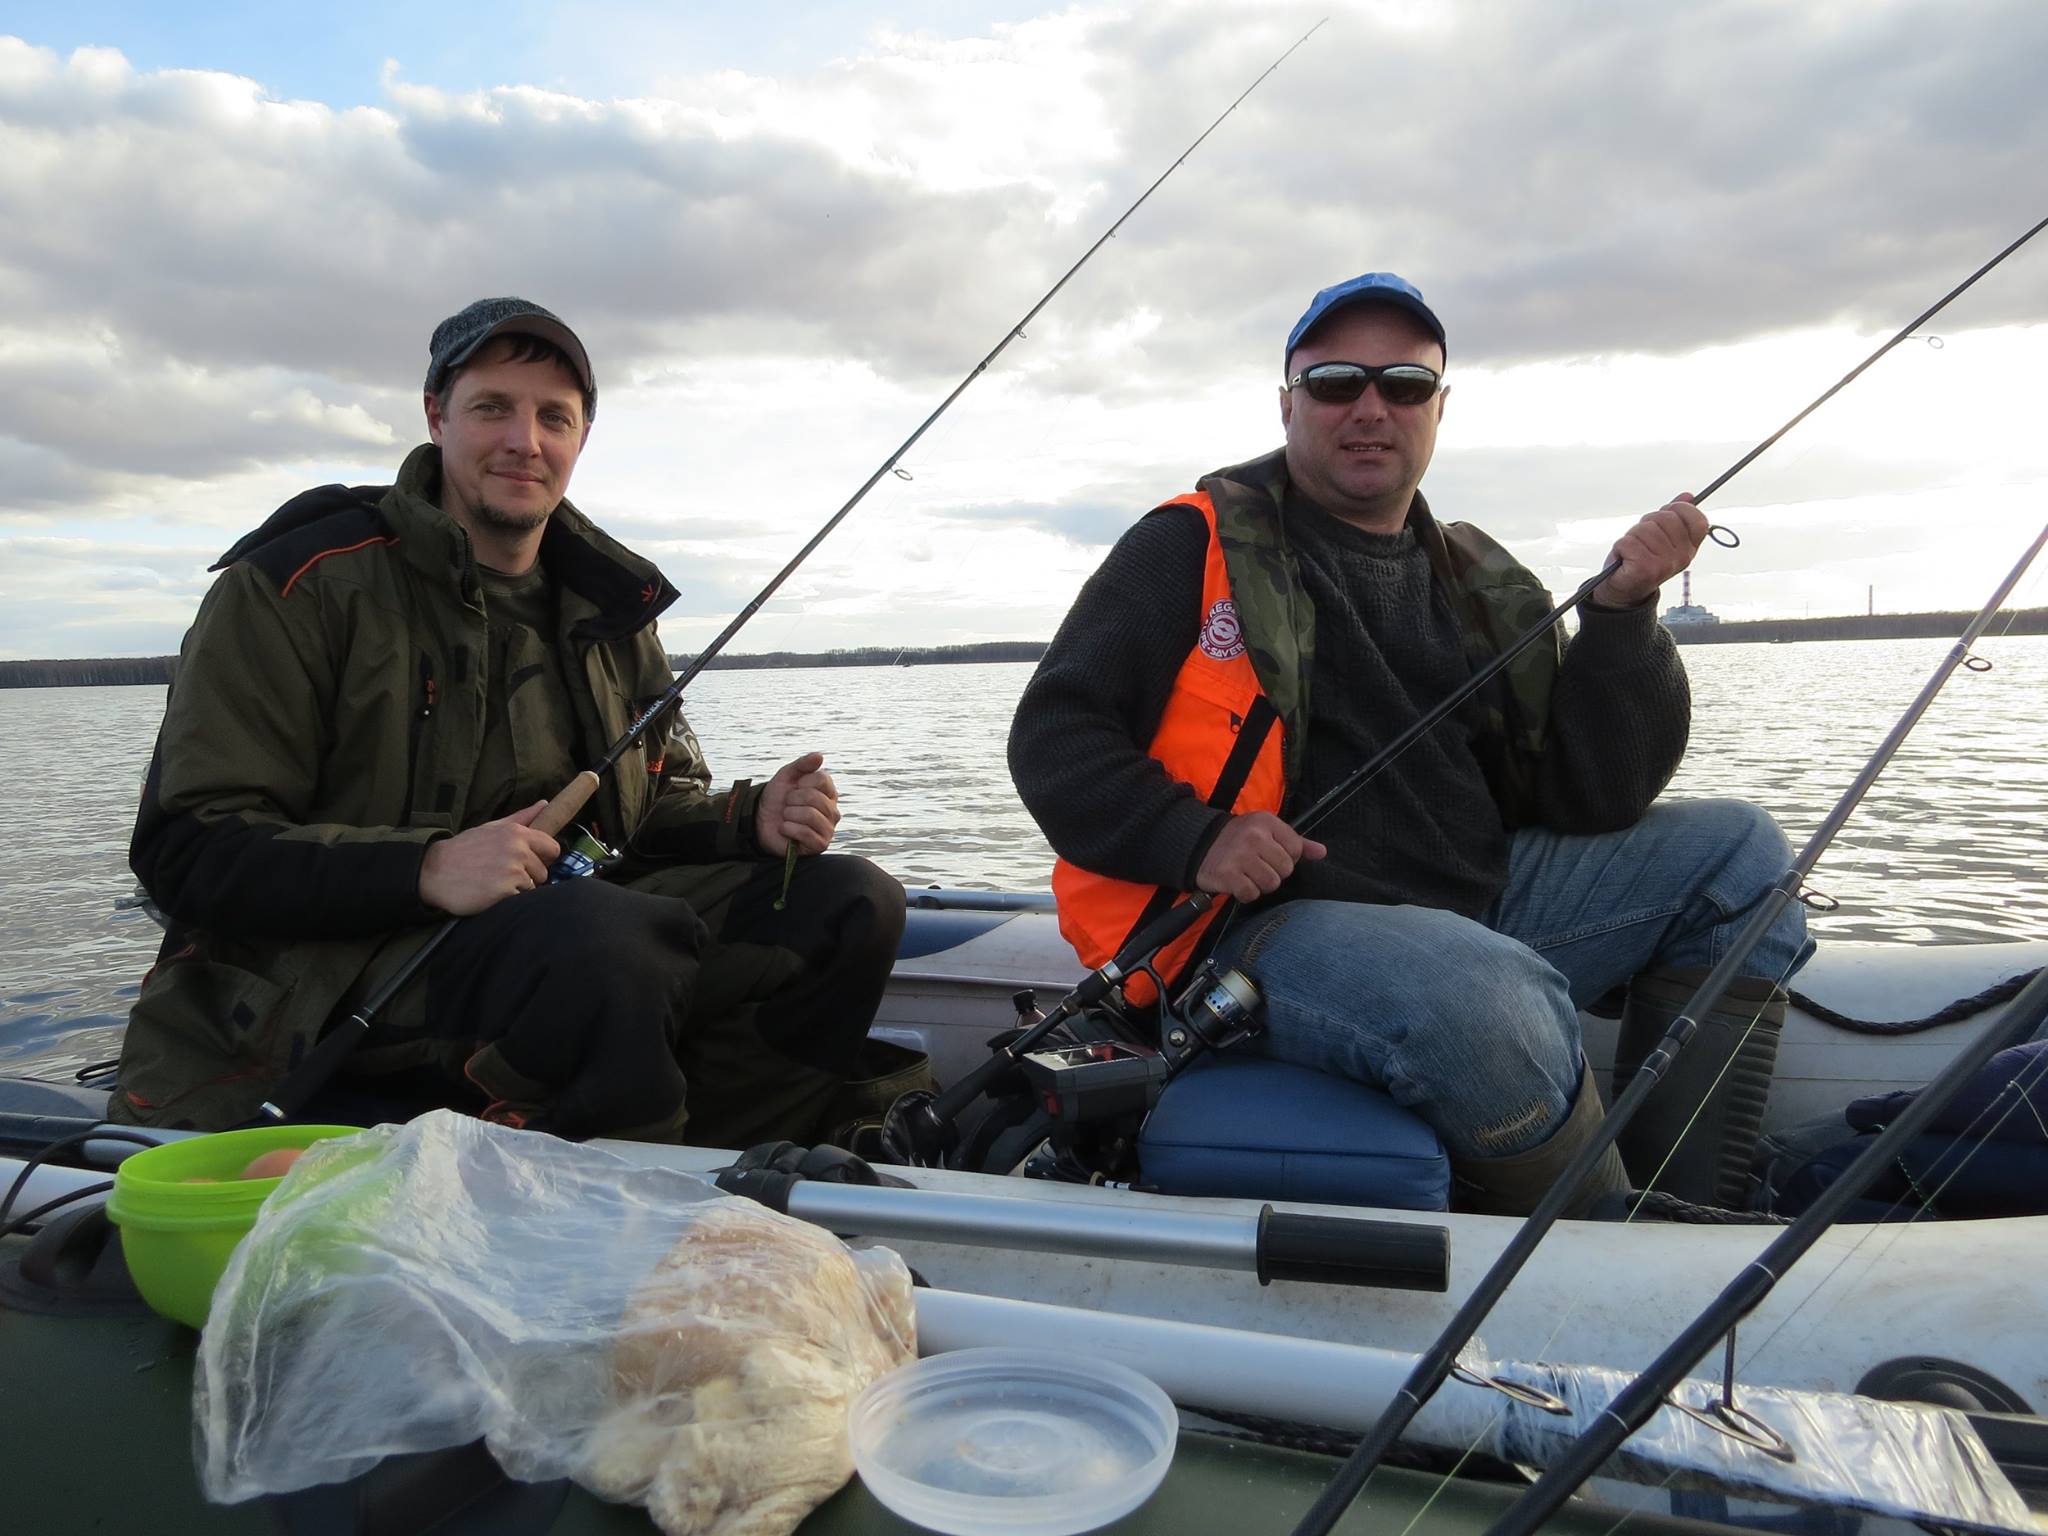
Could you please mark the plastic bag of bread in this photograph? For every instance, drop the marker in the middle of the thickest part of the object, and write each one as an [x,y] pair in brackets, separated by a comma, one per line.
[736,1363]
[627,1326]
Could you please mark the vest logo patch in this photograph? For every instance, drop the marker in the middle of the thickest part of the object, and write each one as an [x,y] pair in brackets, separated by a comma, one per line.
[1222,639]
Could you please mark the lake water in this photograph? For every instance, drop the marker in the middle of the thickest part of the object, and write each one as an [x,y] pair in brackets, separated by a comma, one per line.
[1948,847]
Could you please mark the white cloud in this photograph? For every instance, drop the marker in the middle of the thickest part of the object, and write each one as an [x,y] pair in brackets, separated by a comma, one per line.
[1649,250]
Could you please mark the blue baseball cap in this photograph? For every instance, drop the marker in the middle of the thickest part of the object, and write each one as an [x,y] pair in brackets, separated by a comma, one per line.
[1370,288]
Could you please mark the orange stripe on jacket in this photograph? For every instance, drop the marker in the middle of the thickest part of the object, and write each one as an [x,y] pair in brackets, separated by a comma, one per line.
[382,538]
[1212,694]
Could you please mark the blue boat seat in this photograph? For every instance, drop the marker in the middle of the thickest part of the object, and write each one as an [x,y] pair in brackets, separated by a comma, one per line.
[1266,1130]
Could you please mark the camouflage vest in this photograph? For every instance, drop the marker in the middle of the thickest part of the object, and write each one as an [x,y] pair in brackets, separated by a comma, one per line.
[1496,600]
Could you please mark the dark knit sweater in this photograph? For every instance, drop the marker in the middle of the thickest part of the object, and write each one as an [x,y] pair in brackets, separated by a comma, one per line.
[1427,831]
[1388,649]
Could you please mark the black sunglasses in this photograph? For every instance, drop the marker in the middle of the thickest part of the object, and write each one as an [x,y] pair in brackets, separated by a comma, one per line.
[1342,383]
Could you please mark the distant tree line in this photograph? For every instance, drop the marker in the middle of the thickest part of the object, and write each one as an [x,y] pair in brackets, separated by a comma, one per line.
[1859,626]
[878,656]
[80,673]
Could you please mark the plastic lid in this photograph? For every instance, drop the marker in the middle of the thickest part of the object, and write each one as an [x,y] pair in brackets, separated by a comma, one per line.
[1012,1442]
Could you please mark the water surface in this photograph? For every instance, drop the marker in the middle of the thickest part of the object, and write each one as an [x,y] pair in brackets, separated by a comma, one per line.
[1948,847]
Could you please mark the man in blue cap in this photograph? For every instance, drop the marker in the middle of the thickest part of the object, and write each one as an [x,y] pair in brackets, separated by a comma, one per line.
[1244,648]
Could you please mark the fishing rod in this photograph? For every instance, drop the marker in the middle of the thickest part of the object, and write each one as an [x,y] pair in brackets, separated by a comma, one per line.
[1635,1403]
[326,1057]
[1439,1360]
[928,1124]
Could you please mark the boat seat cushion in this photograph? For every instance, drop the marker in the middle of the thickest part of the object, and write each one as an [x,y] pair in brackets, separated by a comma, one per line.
[1265,1130]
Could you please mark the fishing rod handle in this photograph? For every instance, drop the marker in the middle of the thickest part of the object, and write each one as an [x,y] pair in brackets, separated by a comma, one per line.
[315,1068]
[949,1102]
[567,804]
[1148,941]
[325,1059]
[937,1117]
[946,1107]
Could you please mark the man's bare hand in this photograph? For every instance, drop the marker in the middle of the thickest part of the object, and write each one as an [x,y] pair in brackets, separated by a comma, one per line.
[799,805]
[464,874]
[1654,551]
[1252,855]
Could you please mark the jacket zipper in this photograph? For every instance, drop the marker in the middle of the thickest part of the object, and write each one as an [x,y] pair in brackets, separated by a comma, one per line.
[418,730]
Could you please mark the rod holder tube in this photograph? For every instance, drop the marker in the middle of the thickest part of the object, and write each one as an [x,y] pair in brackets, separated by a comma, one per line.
[1272,1245]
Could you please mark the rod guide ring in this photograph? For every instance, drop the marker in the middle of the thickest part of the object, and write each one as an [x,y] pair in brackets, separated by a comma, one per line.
[1529,1397]
[1738,1424]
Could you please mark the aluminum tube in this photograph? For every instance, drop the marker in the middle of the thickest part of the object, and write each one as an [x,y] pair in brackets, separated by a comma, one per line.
[1196,1239]
[1344,1386]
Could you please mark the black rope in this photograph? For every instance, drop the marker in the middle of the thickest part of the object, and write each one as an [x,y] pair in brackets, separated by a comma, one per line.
[1962,1008]
[1658,1205]
[46,1156]
[28,1219]
[1326,1440]
[1286,1434]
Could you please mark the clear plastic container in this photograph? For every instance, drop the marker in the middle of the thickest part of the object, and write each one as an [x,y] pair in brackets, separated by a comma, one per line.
[1012,1442]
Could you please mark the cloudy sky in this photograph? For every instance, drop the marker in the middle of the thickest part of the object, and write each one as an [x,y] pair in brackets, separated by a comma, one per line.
[1654,231]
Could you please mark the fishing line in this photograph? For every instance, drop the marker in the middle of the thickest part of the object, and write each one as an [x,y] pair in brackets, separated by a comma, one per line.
[1886,1233]
[1436,1363]
[1893,1233]
[1578,1299]
[930,1126]
[1646,1394]
[326,1057]
[1890,1233]
[1598,1441]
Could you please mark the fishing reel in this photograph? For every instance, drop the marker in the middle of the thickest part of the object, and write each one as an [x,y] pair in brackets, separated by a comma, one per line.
[583,854]
[1097,1093]
[1071,1106]
[1217,1009]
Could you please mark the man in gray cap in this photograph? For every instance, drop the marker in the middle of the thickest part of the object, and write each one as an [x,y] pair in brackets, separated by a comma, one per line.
[1245,647]
[380,693]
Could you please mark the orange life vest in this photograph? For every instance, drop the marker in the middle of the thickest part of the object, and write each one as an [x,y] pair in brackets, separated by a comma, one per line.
[1217,736]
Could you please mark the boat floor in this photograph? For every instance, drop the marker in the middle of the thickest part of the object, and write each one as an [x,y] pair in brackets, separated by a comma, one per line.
[107,1446]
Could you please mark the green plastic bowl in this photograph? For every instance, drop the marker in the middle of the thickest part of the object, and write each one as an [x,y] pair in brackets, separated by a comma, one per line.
[177,1235]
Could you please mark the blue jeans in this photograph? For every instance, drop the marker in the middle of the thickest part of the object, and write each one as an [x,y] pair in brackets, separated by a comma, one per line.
[1474,1025]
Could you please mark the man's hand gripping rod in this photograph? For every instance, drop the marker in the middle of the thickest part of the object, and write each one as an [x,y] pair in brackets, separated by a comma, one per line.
[321,1063]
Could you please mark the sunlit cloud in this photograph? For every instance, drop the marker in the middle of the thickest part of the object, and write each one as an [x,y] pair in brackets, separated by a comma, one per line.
[217,292]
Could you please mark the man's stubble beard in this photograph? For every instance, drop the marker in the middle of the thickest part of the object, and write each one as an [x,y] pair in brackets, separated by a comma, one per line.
[508,522]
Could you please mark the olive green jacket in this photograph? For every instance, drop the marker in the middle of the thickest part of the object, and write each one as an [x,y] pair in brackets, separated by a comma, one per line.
[322,729]
[1498,601]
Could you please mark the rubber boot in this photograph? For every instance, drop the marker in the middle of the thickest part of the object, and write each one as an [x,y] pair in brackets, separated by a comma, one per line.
[1511,1186]
[1700,1124]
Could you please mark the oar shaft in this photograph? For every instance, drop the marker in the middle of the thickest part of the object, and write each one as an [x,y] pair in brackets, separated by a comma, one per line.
[1634,1405]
